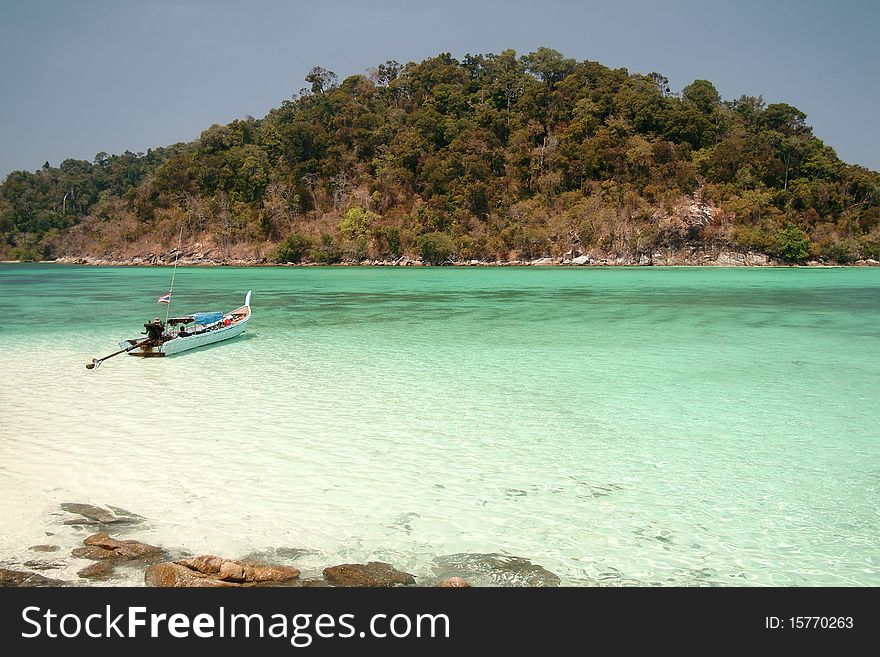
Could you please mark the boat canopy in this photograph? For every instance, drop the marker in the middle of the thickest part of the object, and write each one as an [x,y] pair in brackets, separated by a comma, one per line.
[207,318]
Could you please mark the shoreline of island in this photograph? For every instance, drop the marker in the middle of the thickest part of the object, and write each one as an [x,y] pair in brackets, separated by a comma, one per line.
[696,258]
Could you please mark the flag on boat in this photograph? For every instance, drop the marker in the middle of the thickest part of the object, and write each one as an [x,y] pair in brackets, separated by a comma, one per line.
[165,298]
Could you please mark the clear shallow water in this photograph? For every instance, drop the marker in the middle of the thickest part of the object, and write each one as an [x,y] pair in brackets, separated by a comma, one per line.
[620,426]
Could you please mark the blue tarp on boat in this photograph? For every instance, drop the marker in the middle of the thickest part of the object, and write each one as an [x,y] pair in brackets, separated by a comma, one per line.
[207,318]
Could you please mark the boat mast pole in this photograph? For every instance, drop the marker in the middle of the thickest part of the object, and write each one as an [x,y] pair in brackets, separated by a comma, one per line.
[173,272]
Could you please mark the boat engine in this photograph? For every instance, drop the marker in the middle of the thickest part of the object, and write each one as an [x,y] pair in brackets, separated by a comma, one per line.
[155,329]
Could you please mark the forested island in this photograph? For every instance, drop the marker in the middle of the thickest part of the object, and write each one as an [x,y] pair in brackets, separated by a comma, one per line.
[493,158]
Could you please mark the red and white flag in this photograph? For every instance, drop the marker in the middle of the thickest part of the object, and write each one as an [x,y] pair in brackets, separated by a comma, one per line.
[165,298]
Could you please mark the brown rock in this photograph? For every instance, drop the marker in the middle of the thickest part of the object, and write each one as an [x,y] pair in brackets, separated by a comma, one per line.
[102,540]
[99,570]
[45,548]
[207,570]
[205,564]
[101,546]
[273,573]
[92,553]
[454,583]
[171,574]
[20,578]
[232,571]
[373,574]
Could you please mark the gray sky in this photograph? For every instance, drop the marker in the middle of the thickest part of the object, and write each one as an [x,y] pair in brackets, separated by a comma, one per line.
[77,78]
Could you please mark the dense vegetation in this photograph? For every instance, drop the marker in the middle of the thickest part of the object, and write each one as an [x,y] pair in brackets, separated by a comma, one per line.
[492,157]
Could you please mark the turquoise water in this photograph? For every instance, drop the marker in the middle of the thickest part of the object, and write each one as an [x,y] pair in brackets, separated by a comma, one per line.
[622,426]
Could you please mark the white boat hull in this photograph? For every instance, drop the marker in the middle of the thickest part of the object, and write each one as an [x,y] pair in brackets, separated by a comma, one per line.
[177,345]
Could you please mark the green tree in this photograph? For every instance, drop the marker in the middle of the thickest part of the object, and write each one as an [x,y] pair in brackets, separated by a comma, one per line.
[356,222]
[792,244]
[549,65]
[321,79]
[703,95]
[390,237]
[292,249]
[436,248]
[326,251]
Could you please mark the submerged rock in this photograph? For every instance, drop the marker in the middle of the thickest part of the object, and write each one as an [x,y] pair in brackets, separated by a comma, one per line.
[124,513]
[494,570]
[270,554]
[89,511]
[372,574]
[96,515]
[101,546]
[40,564]
[44,548]
[208,570]
[20,578]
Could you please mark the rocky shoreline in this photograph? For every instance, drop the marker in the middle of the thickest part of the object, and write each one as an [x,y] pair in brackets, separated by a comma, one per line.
[691,258]
[107,559]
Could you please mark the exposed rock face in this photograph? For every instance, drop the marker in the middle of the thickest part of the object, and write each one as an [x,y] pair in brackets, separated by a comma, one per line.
[96,515]
[581,260]
[687,220]
[494,570]
[454,583]
[20,578]
[409,262]
[101,546]
[101,570]
[372,574]
[208,570]
[734,258]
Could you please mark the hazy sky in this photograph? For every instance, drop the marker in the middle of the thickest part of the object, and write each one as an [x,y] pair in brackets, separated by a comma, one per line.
[79,77]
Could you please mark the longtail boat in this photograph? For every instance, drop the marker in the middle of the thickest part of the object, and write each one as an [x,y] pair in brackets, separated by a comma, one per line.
[178,334]
[183,333]
[189,331]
